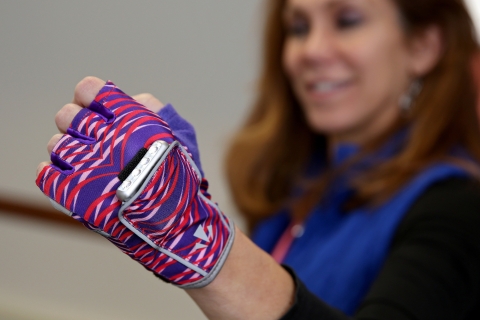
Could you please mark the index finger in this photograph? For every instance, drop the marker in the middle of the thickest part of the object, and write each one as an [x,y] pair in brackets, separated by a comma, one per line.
[86,91]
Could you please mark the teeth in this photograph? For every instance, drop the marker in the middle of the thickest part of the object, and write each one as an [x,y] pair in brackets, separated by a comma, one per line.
[325,86]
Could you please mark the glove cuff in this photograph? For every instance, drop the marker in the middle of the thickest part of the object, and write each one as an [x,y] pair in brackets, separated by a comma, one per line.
[210,276]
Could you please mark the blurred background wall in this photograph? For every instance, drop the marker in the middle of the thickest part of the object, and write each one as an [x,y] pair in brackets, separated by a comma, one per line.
[199,55]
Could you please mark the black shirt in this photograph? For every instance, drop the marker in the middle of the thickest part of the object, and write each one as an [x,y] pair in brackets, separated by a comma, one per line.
[432,270]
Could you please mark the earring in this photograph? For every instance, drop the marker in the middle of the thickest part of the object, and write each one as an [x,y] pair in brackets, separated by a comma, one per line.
[407,99]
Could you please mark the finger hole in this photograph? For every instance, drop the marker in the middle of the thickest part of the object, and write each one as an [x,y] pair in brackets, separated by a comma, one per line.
[61,165]
[81,137]
[106,114]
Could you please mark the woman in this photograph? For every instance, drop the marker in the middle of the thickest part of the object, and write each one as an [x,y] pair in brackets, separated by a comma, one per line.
[356,167]
[342,81]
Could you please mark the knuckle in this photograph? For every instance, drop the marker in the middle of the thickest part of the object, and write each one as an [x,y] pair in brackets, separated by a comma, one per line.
[64,113]
[59,116]
[146,96]
[53,141]
[86,85]
[149,101]
[40,167]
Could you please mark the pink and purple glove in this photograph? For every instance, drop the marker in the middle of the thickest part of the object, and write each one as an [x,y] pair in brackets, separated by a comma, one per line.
[169,224]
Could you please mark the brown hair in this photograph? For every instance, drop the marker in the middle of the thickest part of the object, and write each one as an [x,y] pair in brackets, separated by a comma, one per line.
[270,153]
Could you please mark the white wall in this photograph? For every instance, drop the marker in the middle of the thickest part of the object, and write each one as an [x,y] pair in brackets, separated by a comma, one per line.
[199,55]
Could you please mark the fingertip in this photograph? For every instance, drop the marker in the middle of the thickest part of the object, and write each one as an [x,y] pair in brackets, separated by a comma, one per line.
[86,90]
[65,116]
[53,141]
[149,101]
[41,167]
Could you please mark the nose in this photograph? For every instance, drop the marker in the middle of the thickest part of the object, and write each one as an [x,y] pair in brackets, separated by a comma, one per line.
[319,45]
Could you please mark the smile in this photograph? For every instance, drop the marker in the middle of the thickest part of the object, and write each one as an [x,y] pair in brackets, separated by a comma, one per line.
[322,90]
[328,86]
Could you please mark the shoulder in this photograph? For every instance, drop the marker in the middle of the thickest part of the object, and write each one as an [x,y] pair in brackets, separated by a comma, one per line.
[432,267]
[453,202]
[448,193]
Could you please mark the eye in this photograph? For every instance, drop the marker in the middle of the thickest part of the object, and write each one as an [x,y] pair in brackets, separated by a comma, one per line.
[348,18]
[297,27]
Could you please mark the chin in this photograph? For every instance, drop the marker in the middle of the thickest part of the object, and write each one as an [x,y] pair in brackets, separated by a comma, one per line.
[328,126]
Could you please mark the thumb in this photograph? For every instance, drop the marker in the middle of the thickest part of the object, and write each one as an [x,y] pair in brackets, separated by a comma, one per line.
[149,101]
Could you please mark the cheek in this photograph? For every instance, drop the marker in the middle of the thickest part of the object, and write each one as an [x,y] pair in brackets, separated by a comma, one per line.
[290,60]
[381,66]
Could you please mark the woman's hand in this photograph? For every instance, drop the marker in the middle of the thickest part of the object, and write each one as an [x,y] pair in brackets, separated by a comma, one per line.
[171,227]
[108,142]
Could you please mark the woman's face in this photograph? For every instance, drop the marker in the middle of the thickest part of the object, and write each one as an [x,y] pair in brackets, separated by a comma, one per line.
[348,64]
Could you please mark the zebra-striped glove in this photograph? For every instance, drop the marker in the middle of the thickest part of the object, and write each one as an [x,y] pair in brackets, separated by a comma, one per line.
[121,172]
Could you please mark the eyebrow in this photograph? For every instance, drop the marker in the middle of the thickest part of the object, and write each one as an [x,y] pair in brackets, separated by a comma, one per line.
[289,9]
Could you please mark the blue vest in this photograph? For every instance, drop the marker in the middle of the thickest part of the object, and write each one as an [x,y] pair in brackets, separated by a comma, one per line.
[339,255]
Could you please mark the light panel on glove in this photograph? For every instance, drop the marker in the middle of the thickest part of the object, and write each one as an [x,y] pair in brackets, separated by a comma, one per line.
[141,171]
